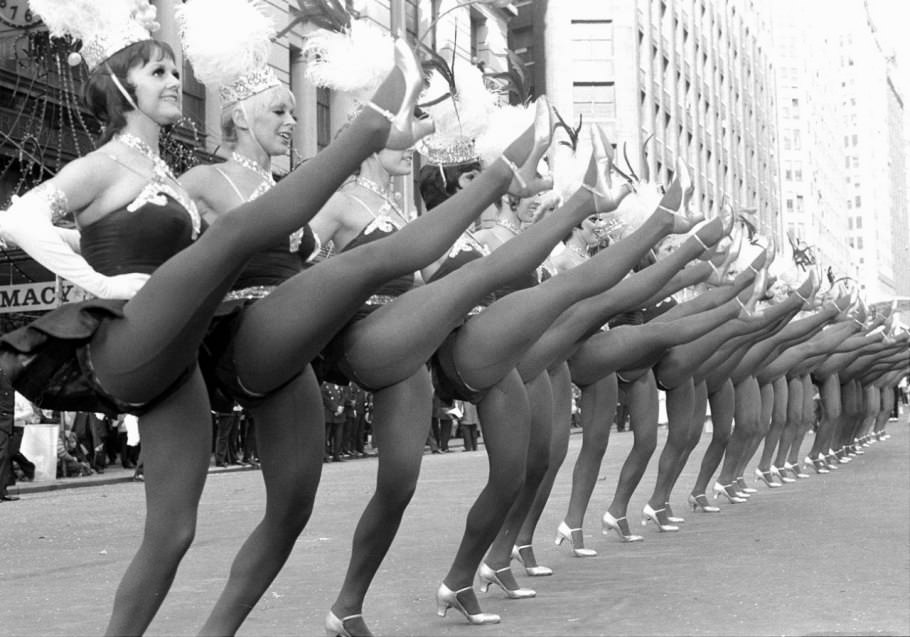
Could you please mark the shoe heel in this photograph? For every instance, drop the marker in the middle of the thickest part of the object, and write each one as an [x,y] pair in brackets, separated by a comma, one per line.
[442,607]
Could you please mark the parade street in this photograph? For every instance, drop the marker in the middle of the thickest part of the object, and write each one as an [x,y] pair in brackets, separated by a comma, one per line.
[829,555]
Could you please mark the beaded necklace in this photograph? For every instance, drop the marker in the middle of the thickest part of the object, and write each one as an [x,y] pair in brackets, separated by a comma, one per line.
[160,168]
[583,253]
[509,225]
[162,181]
[266,183]
[390,204]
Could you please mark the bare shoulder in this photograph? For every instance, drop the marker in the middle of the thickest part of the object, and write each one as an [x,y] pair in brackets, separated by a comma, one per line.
[206,187]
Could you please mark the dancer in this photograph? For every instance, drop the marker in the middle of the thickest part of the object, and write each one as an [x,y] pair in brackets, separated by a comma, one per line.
[139,355]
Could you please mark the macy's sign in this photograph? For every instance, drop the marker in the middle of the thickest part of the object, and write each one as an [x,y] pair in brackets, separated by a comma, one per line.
[44,295]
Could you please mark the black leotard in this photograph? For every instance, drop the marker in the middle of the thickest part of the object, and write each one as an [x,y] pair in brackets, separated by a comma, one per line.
[49,361]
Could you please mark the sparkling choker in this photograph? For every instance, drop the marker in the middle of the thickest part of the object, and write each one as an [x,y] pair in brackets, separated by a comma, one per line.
[161,169]
[390,202]
[580,252]
[253,166]
[511,226]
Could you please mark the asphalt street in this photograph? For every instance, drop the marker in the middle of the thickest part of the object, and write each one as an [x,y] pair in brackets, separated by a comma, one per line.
[829,555]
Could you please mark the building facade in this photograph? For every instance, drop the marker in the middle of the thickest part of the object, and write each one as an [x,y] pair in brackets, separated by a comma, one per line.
[811,124]
[694,74]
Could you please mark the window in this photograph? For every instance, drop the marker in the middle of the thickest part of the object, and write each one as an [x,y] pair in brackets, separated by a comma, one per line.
[859,243]
[859,223]
[323,118]
[857,201]
[595,100]
[849,223]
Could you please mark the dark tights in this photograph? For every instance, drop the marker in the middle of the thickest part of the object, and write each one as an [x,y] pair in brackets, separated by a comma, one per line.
[641,396]
[722,427]
[138,356]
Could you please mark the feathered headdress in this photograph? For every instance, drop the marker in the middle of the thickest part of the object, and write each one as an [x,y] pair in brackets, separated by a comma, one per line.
[103,26]
[355,60]
[459,118]
[228,43]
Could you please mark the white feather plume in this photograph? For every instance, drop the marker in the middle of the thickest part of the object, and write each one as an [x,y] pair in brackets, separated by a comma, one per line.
[505,124]
[225,39]
[352,62]
[87,19]
[468,112]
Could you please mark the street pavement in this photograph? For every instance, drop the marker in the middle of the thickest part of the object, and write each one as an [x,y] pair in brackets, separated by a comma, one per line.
[829,555]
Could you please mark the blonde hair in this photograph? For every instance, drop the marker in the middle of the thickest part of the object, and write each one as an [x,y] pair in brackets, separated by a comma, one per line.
[252,107]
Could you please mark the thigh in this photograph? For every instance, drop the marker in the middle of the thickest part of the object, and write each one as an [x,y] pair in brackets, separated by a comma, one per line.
[290,434]
[401,417]
[505,417]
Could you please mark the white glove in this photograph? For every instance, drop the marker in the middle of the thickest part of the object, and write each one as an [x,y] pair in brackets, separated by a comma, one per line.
[27,223]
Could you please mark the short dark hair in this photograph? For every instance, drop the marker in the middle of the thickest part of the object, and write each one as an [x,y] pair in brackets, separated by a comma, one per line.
[438,183]
[104,99]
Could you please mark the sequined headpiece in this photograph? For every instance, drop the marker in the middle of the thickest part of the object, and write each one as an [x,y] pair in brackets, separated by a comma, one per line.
[103,26]
[228,43]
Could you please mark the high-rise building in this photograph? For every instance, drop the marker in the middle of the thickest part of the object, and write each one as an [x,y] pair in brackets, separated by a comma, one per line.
[811,125]
[695,74]
[876,203]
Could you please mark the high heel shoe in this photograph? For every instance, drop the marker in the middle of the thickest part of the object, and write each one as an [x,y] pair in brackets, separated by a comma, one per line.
[563,532]
[781,476]
[649,513]
[405,129]
[532,568]
[701,502]
[620,525]
[830,460]
[446,598]
[350,626]
[797,470]
[765,476]
[488,576]
[742,487]
[672,519]
[720,489]
[818,464]
[525,181]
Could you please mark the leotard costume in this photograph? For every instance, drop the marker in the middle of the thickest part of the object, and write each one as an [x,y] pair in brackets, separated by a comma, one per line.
[49,361]
[262,274]
[332,364]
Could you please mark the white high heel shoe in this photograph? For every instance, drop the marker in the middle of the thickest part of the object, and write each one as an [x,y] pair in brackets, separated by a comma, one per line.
[533,571]
[609,523]
[446,598]
[649,513]
[488,576]
[563,533]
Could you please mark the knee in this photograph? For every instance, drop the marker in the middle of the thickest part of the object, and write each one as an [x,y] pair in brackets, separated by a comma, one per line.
[645,445]
[293,516]
[173,540]
[396,495]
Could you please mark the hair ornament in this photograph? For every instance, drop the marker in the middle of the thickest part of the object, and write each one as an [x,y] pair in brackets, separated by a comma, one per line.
[103,26]
[460,115]
[228,42]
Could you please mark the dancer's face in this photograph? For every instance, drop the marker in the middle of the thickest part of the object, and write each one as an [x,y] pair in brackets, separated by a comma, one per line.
[589,232]
[273,120]
[396,162]
[157,87]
